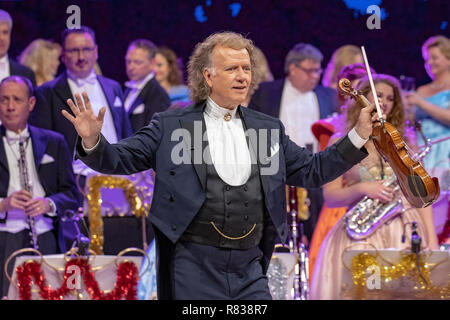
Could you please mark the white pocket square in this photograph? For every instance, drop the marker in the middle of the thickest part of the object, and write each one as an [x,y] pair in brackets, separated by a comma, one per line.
[139,109]
[117,102]
[47,159]
[274,149]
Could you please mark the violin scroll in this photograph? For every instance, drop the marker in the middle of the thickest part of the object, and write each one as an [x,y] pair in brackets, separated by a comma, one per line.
[345,88]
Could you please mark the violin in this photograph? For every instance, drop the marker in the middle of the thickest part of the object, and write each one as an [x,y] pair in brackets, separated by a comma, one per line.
[416,184]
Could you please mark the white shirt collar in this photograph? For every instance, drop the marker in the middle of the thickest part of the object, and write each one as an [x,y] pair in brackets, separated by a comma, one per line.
[13,137]
[91,78]
[140,83]
[4,59]
[4,62]
[215,111]
[291,88]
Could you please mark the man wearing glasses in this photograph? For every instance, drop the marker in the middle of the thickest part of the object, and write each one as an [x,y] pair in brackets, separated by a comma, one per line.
[79,55]
[298,101]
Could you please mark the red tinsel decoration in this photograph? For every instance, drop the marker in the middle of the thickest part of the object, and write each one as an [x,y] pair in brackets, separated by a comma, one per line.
[125,286]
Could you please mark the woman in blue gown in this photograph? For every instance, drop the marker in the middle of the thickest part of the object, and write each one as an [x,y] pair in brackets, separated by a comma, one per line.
[169,75]
[432,101]
[432,110]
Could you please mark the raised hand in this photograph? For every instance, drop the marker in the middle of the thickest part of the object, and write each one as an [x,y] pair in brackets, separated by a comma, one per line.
[414,99]
[86,123]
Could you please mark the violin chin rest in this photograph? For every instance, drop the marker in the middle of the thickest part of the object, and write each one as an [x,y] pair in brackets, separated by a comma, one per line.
[416,186]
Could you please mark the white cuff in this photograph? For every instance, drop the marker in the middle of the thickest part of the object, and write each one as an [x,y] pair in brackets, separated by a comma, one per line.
[357,141]
[1,212]
[52,213]
[90,149]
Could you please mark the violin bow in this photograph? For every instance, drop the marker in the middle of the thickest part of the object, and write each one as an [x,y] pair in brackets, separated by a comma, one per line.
[372,86]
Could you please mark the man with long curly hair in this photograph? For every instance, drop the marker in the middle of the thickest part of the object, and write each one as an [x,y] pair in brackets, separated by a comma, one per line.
[221,169]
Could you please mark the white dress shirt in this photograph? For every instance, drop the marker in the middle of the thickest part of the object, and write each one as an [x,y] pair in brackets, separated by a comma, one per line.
[17,219]
[298,112]
[4,67]
[97,98]
[136,88]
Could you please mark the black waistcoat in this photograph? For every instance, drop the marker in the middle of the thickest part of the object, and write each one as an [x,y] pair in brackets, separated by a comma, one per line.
[231,216]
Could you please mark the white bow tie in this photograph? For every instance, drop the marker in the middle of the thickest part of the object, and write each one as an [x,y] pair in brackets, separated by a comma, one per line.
[91,79]
[13,137]
[132,85]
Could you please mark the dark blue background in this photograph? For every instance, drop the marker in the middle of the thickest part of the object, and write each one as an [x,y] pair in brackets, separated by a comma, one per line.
[274,26]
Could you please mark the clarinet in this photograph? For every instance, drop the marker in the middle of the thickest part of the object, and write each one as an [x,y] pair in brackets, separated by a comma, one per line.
[26,185]
[301,274]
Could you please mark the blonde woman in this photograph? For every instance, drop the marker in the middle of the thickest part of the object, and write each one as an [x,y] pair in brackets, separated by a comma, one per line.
[343,56]
[42,56]
[433,102]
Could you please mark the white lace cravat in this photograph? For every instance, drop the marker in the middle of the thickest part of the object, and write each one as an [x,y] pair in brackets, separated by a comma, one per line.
[227,144]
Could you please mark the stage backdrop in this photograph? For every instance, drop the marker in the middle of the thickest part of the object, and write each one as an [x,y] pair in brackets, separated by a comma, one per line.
[274,26]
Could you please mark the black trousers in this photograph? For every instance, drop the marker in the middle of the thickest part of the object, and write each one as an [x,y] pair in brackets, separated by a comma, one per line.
[10,242]
[201,272]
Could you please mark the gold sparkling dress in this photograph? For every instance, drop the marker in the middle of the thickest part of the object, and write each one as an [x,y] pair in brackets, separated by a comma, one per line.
[326,281]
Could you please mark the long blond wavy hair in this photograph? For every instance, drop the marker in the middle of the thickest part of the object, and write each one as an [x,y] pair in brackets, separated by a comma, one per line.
[37,57]
[201,59]
[397,115]
[343,56]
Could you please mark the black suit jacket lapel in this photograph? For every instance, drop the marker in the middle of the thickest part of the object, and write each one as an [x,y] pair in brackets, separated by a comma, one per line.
[63,91]
[253,132]
[196,145]
[12,67]
[109,93]
[39,142]
[275,97]
[115,112]
[126,92]
[140,98]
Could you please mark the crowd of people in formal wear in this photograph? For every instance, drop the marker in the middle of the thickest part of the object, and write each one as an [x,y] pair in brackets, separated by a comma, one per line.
[306,101]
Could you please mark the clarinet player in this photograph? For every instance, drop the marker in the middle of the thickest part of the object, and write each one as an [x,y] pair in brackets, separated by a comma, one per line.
[36,178]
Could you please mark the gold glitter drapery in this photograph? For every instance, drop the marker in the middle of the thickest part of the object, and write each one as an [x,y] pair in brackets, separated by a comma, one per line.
[95,183]
[406,268]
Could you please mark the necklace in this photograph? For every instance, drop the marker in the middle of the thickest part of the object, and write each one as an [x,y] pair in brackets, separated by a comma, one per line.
[437,86]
